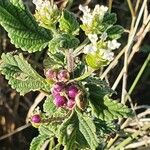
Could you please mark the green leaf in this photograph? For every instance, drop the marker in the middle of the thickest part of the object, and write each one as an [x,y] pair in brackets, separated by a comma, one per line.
[54,61]
[115,32]
[109,19]
[49,107]
[21,75]
[105,108]
[145,48]
[103,88]
[88,129]
[62,41]
[38,141]
[22,29]
[69,23]
[69,134]
[46,130]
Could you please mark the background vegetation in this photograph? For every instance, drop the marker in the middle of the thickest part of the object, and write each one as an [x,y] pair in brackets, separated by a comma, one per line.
[128,74]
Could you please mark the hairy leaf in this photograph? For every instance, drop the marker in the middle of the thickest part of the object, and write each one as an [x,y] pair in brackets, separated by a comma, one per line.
[54,61]
[38,141]
[69,134]
[88,129]
[22,29]
[109,19]
[49,107]
[105,108]
[115,32]
[21,75]
[44,130]
[69,23]
[62,41]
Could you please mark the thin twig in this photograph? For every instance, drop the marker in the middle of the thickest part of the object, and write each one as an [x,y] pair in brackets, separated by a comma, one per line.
[15,131]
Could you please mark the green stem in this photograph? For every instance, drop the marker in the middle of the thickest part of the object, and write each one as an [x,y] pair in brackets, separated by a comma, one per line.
[139,75]
[85,75]
[78,50]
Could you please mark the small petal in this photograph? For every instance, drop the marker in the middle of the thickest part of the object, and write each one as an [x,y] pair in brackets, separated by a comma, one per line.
[93,38]
[84,9]
[103,36]
[108,55]
[113,44]
[89,49]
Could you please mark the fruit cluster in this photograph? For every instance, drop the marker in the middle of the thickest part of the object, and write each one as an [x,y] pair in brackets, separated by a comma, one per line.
[65,95]
[57,76]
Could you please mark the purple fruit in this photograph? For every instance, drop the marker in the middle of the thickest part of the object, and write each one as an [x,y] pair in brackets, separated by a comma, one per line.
[36,118]
[51,74]
[59,101]
[58,87]
[70,103]
[72,91]
[63,75]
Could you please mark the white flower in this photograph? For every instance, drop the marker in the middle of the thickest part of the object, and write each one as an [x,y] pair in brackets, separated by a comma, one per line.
[93,38]
[87,18]
[108,55]
[84,9]
[89,49]
[103,36]
[101,10]
[113,44]
[40,4]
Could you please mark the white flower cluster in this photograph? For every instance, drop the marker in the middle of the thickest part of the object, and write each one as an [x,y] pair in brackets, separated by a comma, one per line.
[106,53]
[88,15]
[40,4]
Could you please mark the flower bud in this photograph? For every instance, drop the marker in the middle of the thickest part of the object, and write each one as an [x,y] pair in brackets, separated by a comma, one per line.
[51,74]
[58,87]
[63,76]
[70,103]
[72,91]
[59,101]
[36,118]
[80,101]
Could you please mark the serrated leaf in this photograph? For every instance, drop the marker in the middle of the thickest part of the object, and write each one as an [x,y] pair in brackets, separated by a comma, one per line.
[88,129]
[54,61]
[21,75]
[22,29]
[93,83]
[69,134]
[115,32]
[105,108]
[62,41]
[69,23]
[38,141]
[46,130]
[49,107]
[109,19]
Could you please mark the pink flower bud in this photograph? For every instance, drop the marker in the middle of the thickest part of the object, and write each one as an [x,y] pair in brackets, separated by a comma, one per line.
[59,101]
[58,87]
[51,74]
[70,103]
[63,75]
[72,91]
[36,118]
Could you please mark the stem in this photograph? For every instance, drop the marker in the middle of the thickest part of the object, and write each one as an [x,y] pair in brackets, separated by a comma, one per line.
[85,75]
[131,8]
[131,138]
[110,5]
[139,75]
[70,60]
[78,50]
